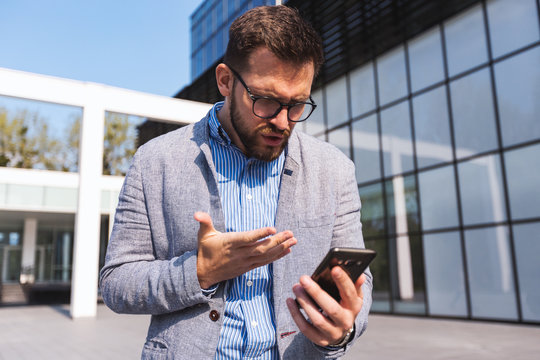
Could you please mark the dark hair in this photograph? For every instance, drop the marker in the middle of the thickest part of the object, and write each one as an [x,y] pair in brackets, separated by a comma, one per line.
[278,28]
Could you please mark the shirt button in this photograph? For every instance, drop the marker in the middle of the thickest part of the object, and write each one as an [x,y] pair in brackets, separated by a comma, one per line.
[249,197]
[214,315]
[249,283]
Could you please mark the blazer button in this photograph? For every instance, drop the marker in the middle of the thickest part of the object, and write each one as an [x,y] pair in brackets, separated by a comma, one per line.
[214,315]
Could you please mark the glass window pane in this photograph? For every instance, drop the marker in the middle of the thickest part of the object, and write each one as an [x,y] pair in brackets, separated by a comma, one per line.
[432,128]
[438,198]
[409,289]
[518,91]
[512,25]
[372,210]
[39,135]
[444,265]
[482,194]
[315,123]
[391,75]
[396,139]
[402,205]
[527,247]
[366,149]
[362,90]
[490,273]
[425,59]
[380,269]
[341,139]
[63,198]
[474,114]
[465,38]
[523,176]
[336,100]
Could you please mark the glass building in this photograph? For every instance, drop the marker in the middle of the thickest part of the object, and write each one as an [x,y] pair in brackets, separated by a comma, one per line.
[438,105]
[210,24]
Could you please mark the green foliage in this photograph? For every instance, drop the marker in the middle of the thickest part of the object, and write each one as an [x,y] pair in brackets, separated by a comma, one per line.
[26,141]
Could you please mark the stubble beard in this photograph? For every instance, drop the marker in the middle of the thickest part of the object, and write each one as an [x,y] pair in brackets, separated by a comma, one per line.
[251,138]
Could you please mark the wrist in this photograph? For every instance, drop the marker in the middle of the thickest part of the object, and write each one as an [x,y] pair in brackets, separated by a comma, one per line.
[344,340]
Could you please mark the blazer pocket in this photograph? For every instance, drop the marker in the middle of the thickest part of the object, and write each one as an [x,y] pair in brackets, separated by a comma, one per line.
[317,222]
[154,350]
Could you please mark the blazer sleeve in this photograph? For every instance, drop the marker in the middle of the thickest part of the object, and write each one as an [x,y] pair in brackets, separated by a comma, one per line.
[133,280]
[348,232]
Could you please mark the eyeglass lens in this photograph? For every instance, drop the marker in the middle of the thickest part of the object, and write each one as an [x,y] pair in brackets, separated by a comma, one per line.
[268,108]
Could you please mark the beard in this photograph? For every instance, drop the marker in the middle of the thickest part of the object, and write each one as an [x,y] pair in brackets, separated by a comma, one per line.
[251,138]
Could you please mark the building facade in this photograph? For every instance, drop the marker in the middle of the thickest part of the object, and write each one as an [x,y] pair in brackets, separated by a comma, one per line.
[437,103]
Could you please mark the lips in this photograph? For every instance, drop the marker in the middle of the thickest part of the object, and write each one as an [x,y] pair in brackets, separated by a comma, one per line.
[273,140]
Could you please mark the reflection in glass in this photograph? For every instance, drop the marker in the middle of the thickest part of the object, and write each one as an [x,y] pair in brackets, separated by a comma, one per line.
[465,37]
[445,278]
[396,139]
[473,114]
[512,25]
[482,194]
[341,139]
[490,273]
[54,254]
[315,123]
[438,198]
[366,149]
[518,91]
[432,128]
[362,90]
[408,281]
[372,210]
[120,142]
[402,205]
[527,247]
[380,270]
[39,135]
[425,59]
[391,76]
[336,102]
[523,176]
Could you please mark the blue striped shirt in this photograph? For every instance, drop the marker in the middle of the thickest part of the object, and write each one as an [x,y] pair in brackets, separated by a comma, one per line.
[249,190]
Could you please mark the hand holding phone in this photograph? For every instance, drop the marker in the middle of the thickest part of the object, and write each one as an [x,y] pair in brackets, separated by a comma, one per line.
[353,261]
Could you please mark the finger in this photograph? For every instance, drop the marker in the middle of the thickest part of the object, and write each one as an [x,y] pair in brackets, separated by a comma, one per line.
[273,245]
[248,238]
[206,225]
[359,282]
[335,315]
[347,289]
[303,325]
[273,254]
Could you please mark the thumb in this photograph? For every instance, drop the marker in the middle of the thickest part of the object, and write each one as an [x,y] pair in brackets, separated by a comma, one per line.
[205,223]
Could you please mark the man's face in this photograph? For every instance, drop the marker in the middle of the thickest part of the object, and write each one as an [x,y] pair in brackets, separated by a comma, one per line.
[265,139]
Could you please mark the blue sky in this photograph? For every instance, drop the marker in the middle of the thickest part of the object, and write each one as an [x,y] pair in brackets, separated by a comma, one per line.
[140,44]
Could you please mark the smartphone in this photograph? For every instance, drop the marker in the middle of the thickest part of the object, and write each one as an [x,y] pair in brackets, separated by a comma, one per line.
[353,260]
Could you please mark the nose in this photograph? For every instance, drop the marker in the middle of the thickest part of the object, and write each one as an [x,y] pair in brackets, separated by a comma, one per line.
[281,120]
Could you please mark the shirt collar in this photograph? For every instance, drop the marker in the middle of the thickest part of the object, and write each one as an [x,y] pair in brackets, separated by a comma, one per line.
[216,130]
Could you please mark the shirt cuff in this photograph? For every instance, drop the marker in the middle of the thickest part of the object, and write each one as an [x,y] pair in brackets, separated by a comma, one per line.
[210,291]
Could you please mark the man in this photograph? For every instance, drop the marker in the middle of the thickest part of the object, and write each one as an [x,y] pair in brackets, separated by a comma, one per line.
[219,223]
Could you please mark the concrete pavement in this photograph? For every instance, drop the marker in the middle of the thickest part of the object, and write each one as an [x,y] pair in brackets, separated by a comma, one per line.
[46,332]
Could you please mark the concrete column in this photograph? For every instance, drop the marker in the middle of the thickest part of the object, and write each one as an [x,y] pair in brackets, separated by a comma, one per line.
[28,251]
[84,281]
[403,248]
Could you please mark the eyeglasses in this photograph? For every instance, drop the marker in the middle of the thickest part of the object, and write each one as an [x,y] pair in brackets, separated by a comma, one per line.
[267,108]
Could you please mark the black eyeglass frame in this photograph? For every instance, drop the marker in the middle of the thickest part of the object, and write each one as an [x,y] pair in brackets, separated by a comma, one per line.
[254,98]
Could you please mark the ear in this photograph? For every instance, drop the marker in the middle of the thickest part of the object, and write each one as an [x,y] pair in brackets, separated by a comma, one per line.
[224,79]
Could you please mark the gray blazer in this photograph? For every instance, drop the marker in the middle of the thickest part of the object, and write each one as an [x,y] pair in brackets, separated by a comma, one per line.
[150,267]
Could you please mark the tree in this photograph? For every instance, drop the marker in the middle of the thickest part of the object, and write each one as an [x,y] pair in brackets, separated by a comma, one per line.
[118,142]
[25,142]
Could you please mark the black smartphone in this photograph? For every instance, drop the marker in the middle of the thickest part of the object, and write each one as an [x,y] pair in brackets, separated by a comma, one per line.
[353,260]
